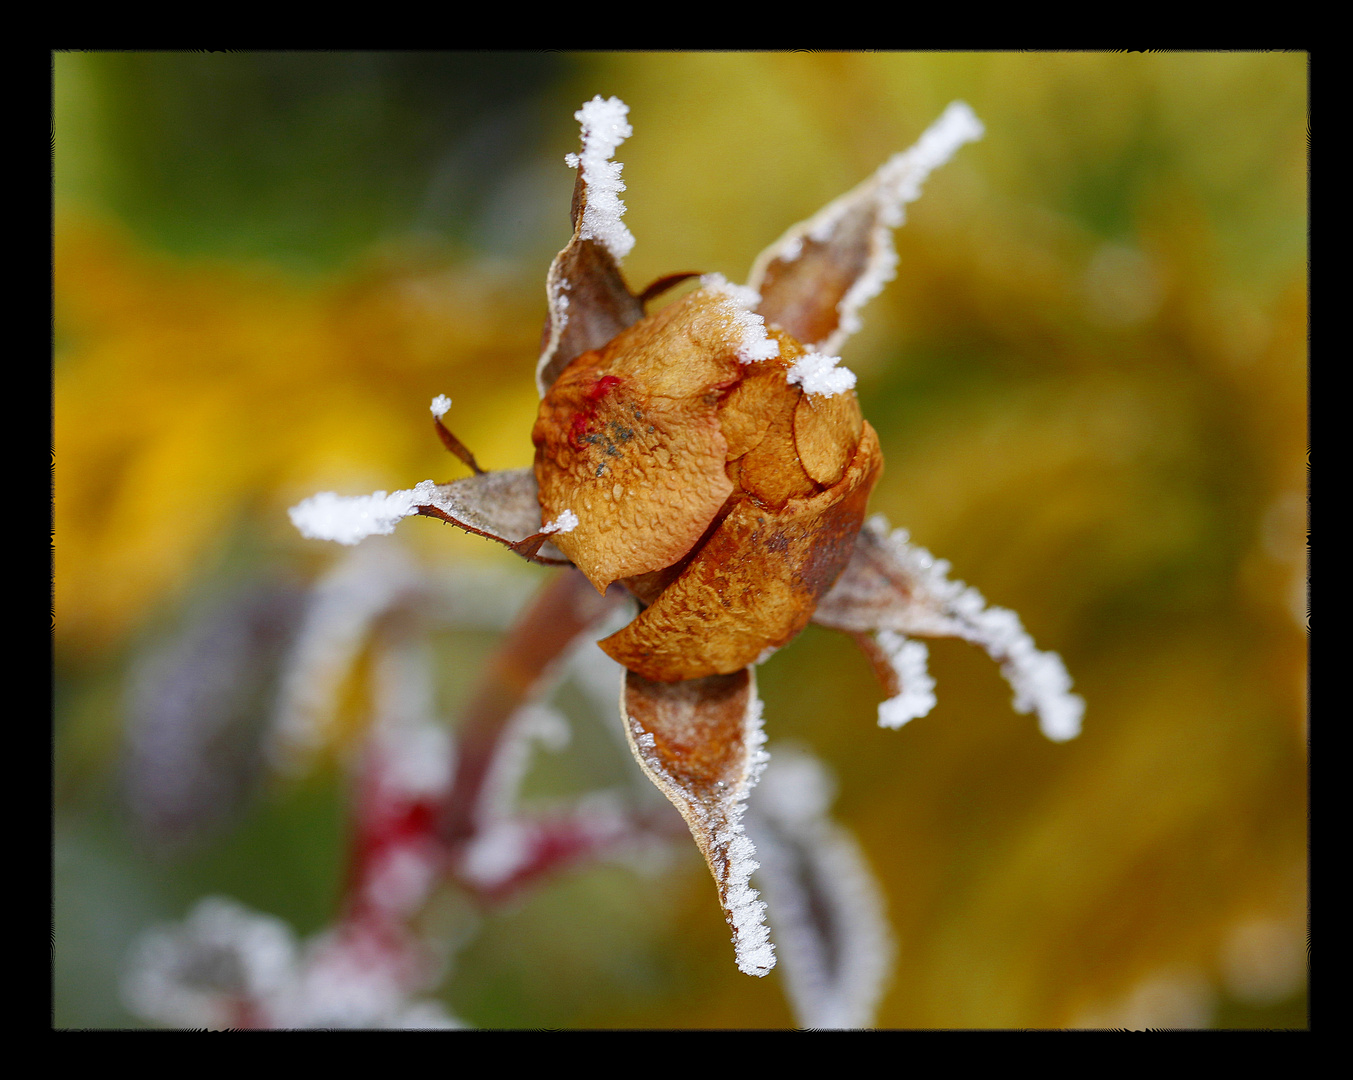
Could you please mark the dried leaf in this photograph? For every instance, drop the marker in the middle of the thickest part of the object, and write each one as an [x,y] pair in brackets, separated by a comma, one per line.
[700,742]
[802,281]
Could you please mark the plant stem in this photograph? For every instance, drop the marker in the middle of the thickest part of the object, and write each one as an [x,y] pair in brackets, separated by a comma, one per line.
[565,607]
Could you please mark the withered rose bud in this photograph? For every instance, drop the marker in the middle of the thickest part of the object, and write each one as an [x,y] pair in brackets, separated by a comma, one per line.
[712,460]
[724,496]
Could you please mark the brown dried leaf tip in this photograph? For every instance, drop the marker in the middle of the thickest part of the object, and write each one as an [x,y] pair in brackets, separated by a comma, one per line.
[711,457]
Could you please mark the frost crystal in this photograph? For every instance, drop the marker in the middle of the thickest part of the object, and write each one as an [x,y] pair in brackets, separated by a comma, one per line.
[604,129]
[746,912]
[195,973]
[903,174]
[567,521]
[899,182]
[879,199]
[498,851]
[754,344]
[917,697]
[333,634]
[351,519]
[718,820]
[819,374]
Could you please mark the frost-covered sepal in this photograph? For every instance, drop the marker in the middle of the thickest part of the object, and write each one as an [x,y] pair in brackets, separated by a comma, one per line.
[503,506]
[588,300]
[890,585]
[816,277]
[700,742]
[832,936]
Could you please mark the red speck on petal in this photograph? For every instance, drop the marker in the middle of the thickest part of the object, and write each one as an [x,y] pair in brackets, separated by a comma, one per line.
[602,387]
[581,424]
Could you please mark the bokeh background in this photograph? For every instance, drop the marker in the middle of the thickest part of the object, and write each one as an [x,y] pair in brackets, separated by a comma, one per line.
[1090,382]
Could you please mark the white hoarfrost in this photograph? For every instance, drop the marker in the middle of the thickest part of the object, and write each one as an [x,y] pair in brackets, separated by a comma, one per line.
[350,519]
[753,343]
[226,966]
[191,974]
[834,943]
[567,521]
[951,609]
[604,129]
[899,182]
[729,844]
[341,613]
[917,695]
[903,174]
[344,610]
[823,375]
[746,912]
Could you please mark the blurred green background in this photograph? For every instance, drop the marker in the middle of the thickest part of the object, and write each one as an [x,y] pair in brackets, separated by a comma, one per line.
[1090,383]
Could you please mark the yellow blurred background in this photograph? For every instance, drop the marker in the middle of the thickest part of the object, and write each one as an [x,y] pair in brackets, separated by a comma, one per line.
[1090,382]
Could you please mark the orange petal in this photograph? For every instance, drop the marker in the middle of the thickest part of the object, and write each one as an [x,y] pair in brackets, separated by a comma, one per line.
[826,434]
[629,439]
[645,475]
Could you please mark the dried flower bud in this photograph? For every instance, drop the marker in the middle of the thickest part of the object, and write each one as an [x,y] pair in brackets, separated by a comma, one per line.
[724,496]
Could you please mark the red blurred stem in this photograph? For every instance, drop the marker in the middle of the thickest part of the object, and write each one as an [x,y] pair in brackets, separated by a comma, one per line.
[572,838]
[565,607]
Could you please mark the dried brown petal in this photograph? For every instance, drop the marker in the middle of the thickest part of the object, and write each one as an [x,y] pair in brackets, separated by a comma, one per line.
[628,438]
[746,412]
[700,743]
[754,583]
[771,470]
[826,432]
